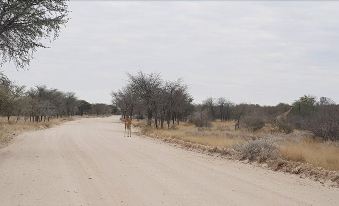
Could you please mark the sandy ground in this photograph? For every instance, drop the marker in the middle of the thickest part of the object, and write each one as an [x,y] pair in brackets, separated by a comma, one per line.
[90,162]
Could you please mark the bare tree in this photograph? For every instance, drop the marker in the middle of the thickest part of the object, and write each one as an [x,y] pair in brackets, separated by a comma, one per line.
[147,94]
[71,104]
[84,107]
[126,100]
[41,103]
[209,105]
[224,108]
[100,109]
[146,86]
[326,101]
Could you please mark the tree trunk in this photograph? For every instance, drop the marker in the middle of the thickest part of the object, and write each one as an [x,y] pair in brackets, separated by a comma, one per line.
[149,118]
[162,123]
[156,122]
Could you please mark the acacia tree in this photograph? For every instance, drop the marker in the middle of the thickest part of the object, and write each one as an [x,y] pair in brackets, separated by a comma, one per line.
[9,96]
[146,87]
[126,100]
[209,105]
[4,85]
[24,23]
[304,105]
[147,94]
[101,109]
[182,103]
[71,103]
[84,107]
[224,108]
[41,103]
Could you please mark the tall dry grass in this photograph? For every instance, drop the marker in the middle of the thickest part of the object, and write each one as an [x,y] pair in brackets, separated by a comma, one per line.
[218,135]
[317,153]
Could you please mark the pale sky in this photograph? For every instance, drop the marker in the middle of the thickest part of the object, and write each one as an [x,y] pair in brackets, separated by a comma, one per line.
[256,51]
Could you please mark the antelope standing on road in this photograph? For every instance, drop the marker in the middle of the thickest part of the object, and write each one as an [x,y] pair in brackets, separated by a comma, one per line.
[128,124]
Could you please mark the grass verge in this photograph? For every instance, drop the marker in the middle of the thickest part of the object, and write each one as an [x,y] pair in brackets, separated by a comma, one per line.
[10,129]
[297,153]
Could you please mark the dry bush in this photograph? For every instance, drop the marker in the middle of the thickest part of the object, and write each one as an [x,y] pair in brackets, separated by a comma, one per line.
[200,119]
[259,150]
[324,126]
[252,122]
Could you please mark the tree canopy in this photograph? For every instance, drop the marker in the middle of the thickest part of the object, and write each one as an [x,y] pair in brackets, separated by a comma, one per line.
[25,23]
[149,95]
[42,103]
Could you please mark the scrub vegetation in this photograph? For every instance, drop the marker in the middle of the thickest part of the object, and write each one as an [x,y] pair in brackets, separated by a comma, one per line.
[303,134]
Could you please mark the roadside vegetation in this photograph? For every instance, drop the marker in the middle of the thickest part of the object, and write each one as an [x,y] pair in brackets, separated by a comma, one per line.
[300,138]
[300,146]
[24,109]
[12,128]
[24,27]
[161,103]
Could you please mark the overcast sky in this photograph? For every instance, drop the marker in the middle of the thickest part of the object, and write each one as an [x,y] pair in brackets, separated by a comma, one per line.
[254,52]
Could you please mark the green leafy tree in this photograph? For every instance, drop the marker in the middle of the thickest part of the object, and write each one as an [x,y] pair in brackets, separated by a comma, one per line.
[304,105]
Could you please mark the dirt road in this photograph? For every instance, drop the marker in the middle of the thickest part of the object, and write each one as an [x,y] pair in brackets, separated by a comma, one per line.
[89,162]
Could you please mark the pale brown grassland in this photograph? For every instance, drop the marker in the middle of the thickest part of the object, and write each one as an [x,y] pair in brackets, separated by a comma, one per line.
[317,153]
[299,146]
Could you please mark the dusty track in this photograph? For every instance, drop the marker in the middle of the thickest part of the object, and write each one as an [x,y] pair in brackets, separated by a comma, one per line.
[89,162]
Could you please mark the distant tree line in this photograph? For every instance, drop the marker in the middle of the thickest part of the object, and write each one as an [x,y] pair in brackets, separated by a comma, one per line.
[160,102]
[320,116]
[149,96]
[41,103]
